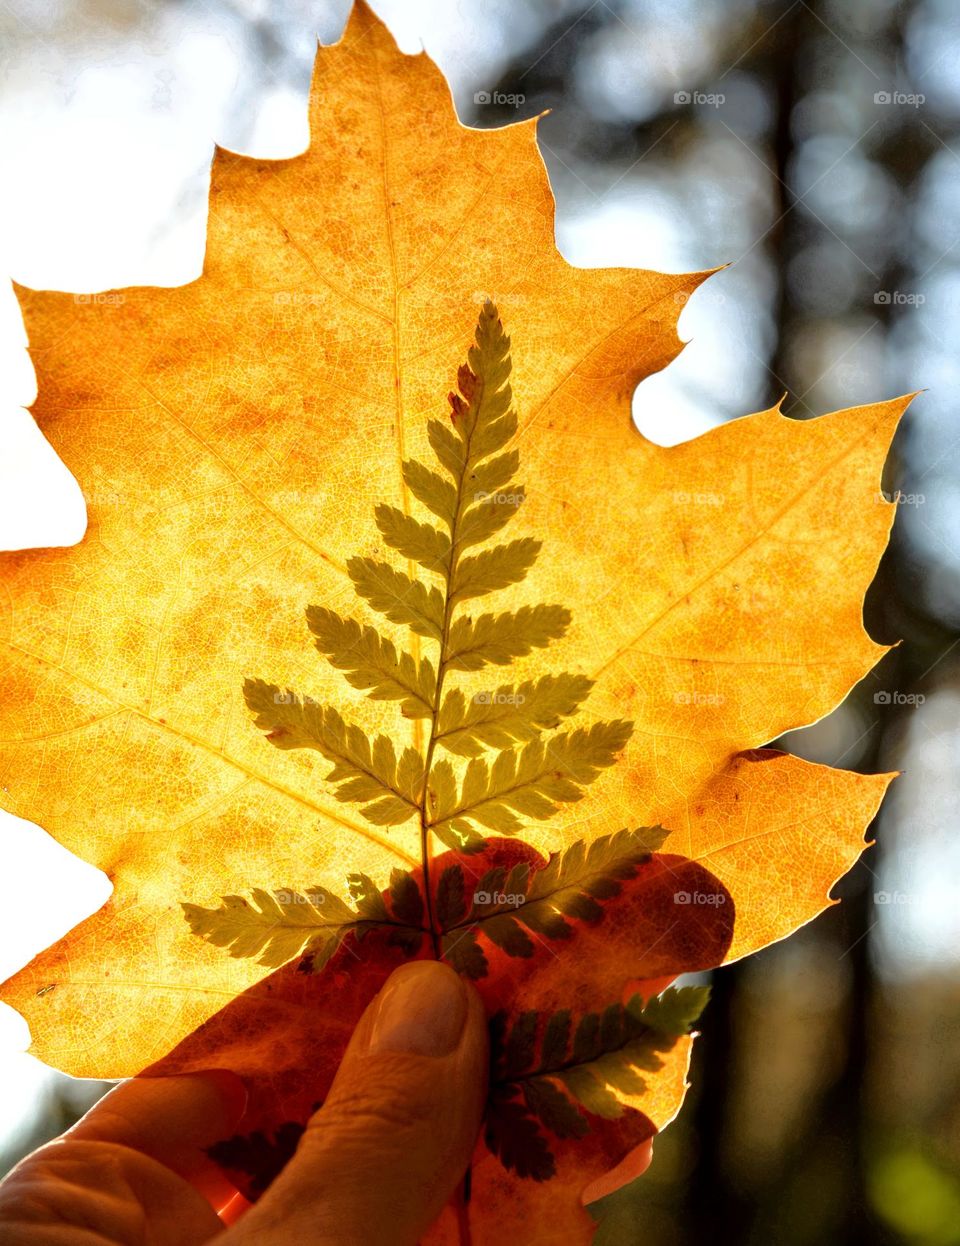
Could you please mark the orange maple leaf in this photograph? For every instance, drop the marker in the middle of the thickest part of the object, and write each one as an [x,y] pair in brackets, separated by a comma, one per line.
[236,435]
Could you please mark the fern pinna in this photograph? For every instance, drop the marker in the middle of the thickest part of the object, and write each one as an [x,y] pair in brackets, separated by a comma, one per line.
[489,761]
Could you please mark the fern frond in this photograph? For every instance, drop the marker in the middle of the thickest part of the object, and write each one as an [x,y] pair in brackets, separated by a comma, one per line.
[494,569]
[436,493]
[447,447]
[368,774]
[492,512]
[273,927]
[536,779]
[421,542]
[486,478]
[574,884]
[474,495]
[548,1074]
[394,594]
[371,662]
[497,639]
[511,712]
[576,881]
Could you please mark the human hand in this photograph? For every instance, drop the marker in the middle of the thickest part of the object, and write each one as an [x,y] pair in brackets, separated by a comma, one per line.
[376,1164]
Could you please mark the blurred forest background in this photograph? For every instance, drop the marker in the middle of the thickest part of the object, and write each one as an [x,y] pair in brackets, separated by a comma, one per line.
[813,145]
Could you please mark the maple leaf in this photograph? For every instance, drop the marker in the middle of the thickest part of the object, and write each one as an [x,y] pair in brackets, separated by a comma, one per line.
[261,436]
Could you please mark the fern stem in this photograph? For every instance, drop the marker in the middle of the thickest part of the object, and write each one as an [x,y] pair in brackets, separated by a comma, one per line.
[448,605]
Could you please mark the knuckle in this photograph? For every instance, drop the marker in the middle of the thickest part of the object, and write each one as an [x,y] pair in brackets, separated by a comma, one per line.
[391,1107]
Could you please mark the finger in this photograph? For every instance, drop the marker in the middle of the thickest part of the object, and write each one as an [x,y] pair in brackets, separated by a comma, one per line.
[72,1192]
[172,1120]
[380,1159]
[122,1165]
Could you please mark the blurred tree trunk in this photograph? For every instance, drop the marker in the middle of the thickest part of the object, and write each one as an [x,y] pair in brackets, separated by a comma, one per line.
[714,1209]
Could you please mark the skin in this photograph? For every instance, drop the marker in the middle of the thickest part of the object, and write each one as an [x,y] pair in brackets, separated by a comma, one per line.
[377,1162]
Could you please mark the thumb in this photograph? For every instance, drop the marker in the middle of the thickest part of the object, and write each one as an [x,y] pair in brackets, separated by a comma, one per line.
[382,1156]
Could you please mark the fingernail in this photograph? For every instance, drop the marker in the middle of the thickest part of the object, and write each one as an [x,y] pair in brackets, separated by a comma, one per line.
[422,1011]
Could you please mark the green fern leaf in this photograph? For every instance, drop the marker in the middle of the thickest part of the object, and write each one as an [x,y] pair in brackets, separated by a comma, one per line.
[492,512]
[556,1038]
[573,884]
[275,927]
[447,447]
[451,897]
[511,1134]
[486,478]
[463,953]
[552,1107]
[372,663]
[474,494]
[674,1012]
[494,569]
[497,639]
[393,594]
[419,541]
[366,773]
[436,493]
[535,780]
[406,900]
[610,1053]
[367,896]
[510,713]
